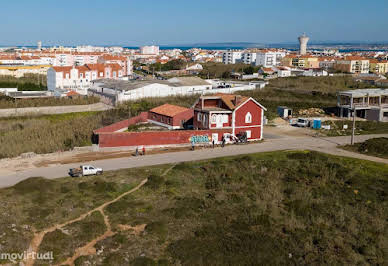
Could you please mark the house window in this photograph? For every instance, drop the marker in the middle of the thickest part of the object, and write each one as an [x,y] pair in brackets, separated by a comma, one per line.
[225,119]
[204,122]
[249,134]
[214,119]
[248,118]
[385,114]
[199,117]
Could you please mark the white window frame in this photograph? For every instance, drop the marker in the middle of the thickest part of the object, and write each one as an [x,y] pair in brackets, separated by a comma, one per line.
[199,116]
[225,119]
[214,119]
[248,118]
[249,134]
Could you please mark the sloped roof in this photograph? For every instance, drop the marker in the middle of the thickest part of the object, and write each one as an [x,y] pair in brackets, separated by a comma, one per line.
[229,100]
[169,110]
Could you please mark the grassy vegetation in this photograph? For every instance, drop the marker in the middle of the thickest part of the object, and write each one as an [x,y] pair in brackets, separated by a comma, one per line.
[30,82]
[9,102]
[320,85]
[376,147]
[294,208]
[63,242]
[51,133]
[220,70]
[362,128]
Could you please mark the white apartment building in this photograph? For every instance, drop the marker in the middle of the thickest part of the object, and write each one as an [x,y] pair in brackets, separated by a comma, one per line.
[269,58]
[231,57]
[248,58]
[152,50]
[78,78]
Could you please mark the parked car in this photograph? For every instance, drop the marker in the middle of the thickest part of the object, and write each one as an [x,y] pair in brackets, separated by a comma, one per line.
[85,170]
[302,122]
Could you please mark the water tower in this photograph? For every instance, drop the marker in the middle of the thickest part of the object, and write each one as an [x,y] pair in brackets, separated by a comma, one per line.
[303,40]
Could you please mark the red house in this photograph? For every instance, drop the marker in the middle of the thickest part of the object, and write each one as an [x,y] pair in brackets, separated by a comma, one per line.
[170,116]
[233,112]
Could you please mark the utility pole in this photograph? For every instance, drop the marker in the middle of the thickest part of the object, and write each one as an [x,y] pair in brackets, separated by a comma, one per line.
[354,126]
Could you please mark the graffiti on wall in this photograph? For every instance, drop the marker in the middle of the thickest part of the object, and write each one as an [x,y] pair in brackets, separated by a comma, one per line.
[200,139]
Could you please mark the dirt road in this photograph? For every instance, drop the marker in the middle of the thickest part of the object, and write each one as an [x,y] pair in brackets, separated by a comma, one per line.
[326,144]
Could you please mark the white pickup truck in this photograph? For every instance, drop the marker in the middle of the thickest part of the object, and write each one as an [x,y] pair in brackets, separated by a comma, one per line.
[85,170]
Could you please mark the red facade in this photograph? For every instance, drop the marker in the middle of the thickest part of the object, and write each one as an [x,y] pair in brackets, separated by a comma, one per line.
[214,117]
[155,138]
[225,111]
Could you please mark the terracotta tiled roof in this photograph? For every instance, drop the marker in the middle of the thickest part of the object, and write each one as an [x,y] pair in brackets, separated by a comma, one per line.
[230,100]
[169,110]
[72,93]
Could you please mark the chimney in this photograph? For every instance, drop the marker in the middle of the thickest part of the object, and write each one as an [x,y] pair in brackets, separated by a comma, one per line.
[237,99]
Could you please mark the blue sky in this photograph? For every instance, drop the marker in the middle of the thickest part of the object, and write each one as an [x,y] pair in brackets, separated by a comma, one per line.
[129,22]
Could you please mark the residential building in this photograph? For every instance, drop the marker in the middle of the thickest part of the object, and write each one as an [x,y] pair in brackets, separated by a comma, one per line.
[170,116]
[123,61]
[371,104]
[269,58]
[248,58]
[150,50]
[378,67]
[78,78]
[231,57]
[301,61]
[235,113]
[353,64]
[326,62]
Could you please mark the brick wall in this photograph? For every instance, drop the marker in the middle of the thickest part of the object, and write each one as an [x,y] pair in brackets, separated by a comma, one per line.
[154,138]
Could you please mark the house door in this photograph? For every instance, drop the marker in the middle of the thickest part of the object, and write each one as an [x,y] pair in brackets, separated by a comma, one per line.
[215,138]
[219,121]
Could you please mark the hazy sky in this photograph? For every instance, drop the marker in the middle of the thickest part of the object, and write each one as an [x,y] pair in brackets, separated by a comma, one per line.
[129,22]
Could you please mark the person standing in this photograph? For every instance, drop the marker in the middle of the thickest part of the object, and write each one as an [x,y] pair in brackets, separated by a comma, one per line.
[137,151]
[213,142]
[144,152]
[192,145]
[223,142]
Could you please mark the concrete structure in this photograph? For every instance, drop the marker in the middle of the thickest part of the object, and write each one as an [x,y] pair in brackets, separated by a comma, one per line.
[150,50]
[353,64]
[303,40]
[301,61]
[232,112]
[231,56]
[378,67]
[371,104]
[269,58]
[39,46]
[115,91]
[5,91]
[248,58]
[170,116]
